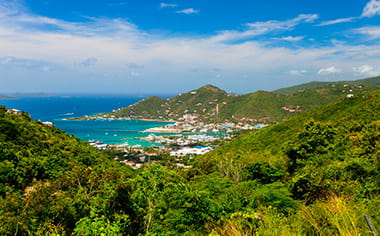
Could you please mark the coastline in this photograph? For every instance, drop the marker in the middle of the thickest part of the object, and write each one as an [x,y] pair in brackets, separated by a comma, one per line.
[158,129]
[161,129]
[114,118]
[157,120]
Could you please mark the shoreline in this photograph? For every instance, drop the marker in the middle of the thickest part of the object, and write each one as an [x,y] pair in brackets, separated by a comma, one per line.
[119,118]
[158,129]
[161,129]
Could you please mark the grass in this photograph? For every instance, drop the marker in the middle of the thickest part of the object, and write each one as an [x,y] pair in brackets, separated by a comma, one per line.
[336,216]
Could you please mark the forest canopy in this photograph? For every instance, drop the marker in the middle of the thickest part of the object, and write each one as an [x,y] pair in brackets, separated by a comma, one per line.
[316,173]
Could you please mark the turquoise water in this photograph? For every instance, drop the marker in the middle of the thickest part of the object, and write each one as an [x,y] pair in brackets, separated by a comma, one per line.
[57,108]
[110,131]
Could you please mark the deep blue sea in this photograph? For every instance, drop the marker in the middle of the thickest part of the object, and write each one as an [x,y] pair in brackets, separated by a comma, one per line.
[57,108]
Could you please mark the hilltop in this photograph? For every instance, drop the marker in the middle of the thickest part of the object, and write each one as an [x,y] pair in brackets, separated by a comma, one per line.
[211,104]
[375,81]
[202,102]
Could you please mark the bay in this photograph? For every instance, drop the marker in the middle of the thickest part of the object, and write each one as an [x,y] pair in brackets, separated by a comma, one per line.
[58,108]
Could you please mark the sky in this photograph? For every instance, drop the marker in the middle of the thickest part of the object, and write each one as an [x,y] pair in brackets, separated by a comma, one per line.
[158,47]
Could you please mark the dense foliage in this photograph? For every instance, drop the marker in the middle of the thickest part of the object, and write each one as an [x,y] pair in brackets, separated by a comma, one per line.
[314,174]
[375,81]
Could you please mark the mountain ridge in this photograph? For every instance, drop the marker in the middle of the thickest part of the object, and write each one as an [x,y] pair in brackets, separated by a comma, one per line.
[212,104]
[317,84]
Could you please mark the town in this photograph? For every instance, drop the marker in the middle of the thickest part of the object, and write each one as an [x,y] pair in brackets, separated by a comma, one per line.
[176,143]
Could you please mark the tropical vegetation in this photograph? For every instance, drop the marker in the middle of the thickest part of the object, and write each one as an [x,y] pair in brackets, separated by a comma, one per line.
[314,174]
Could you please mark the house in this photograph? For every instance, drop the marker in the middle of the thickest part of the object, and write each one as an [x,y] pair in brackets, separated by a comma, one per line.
[130,163]
[188,117]
[190,151]
[14,111]
[48,123]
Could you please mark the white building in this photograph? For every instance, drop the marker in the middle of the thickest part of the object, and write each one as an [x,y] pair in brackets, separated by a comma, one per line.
[190,151]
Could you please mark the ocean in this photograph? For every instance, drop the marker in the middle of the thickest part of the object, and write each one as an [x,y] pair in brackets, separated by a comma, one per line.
[57,108]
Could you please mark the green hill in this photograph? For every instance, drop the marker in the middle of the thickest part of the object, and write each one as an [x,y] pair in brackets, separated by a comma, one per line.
[49,181]
[315,84]
[356,111]
[323,156]
[202,102]
[314,174]
[212,104]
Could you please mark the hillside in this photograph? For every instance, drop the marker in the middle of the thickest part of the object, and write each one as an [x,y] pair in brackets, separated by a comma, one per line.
[49,180]
[314,174]
[202,102]
[344,114]
[324,157]
[375,81]
[211,104]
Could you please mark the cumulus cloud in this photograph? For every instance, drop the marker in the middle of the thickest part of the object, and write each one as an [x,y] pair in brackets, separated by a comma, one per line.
[167,5]
[188,11]
[371,9]
[329,70]
[366,70]
[127,51]
[297,72]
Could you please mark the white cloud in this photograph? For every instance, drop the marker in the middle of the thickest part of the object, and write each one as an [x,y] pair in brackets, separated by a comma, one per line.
[373,32]
[127,51]
[265,27]
[337,21]
[135,74]
[329,70]
[91,61]
[188,11]
[167,5]
[6,60]
[297,72]
[9,62]
[291,38]
[134,66]
[46,68]
[371,9]
[366,70]
[117,4]
[268,26]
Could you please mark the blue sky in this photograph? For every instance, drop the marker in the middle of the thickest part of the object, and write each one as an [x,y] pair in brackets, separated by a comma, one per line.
[152,46]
